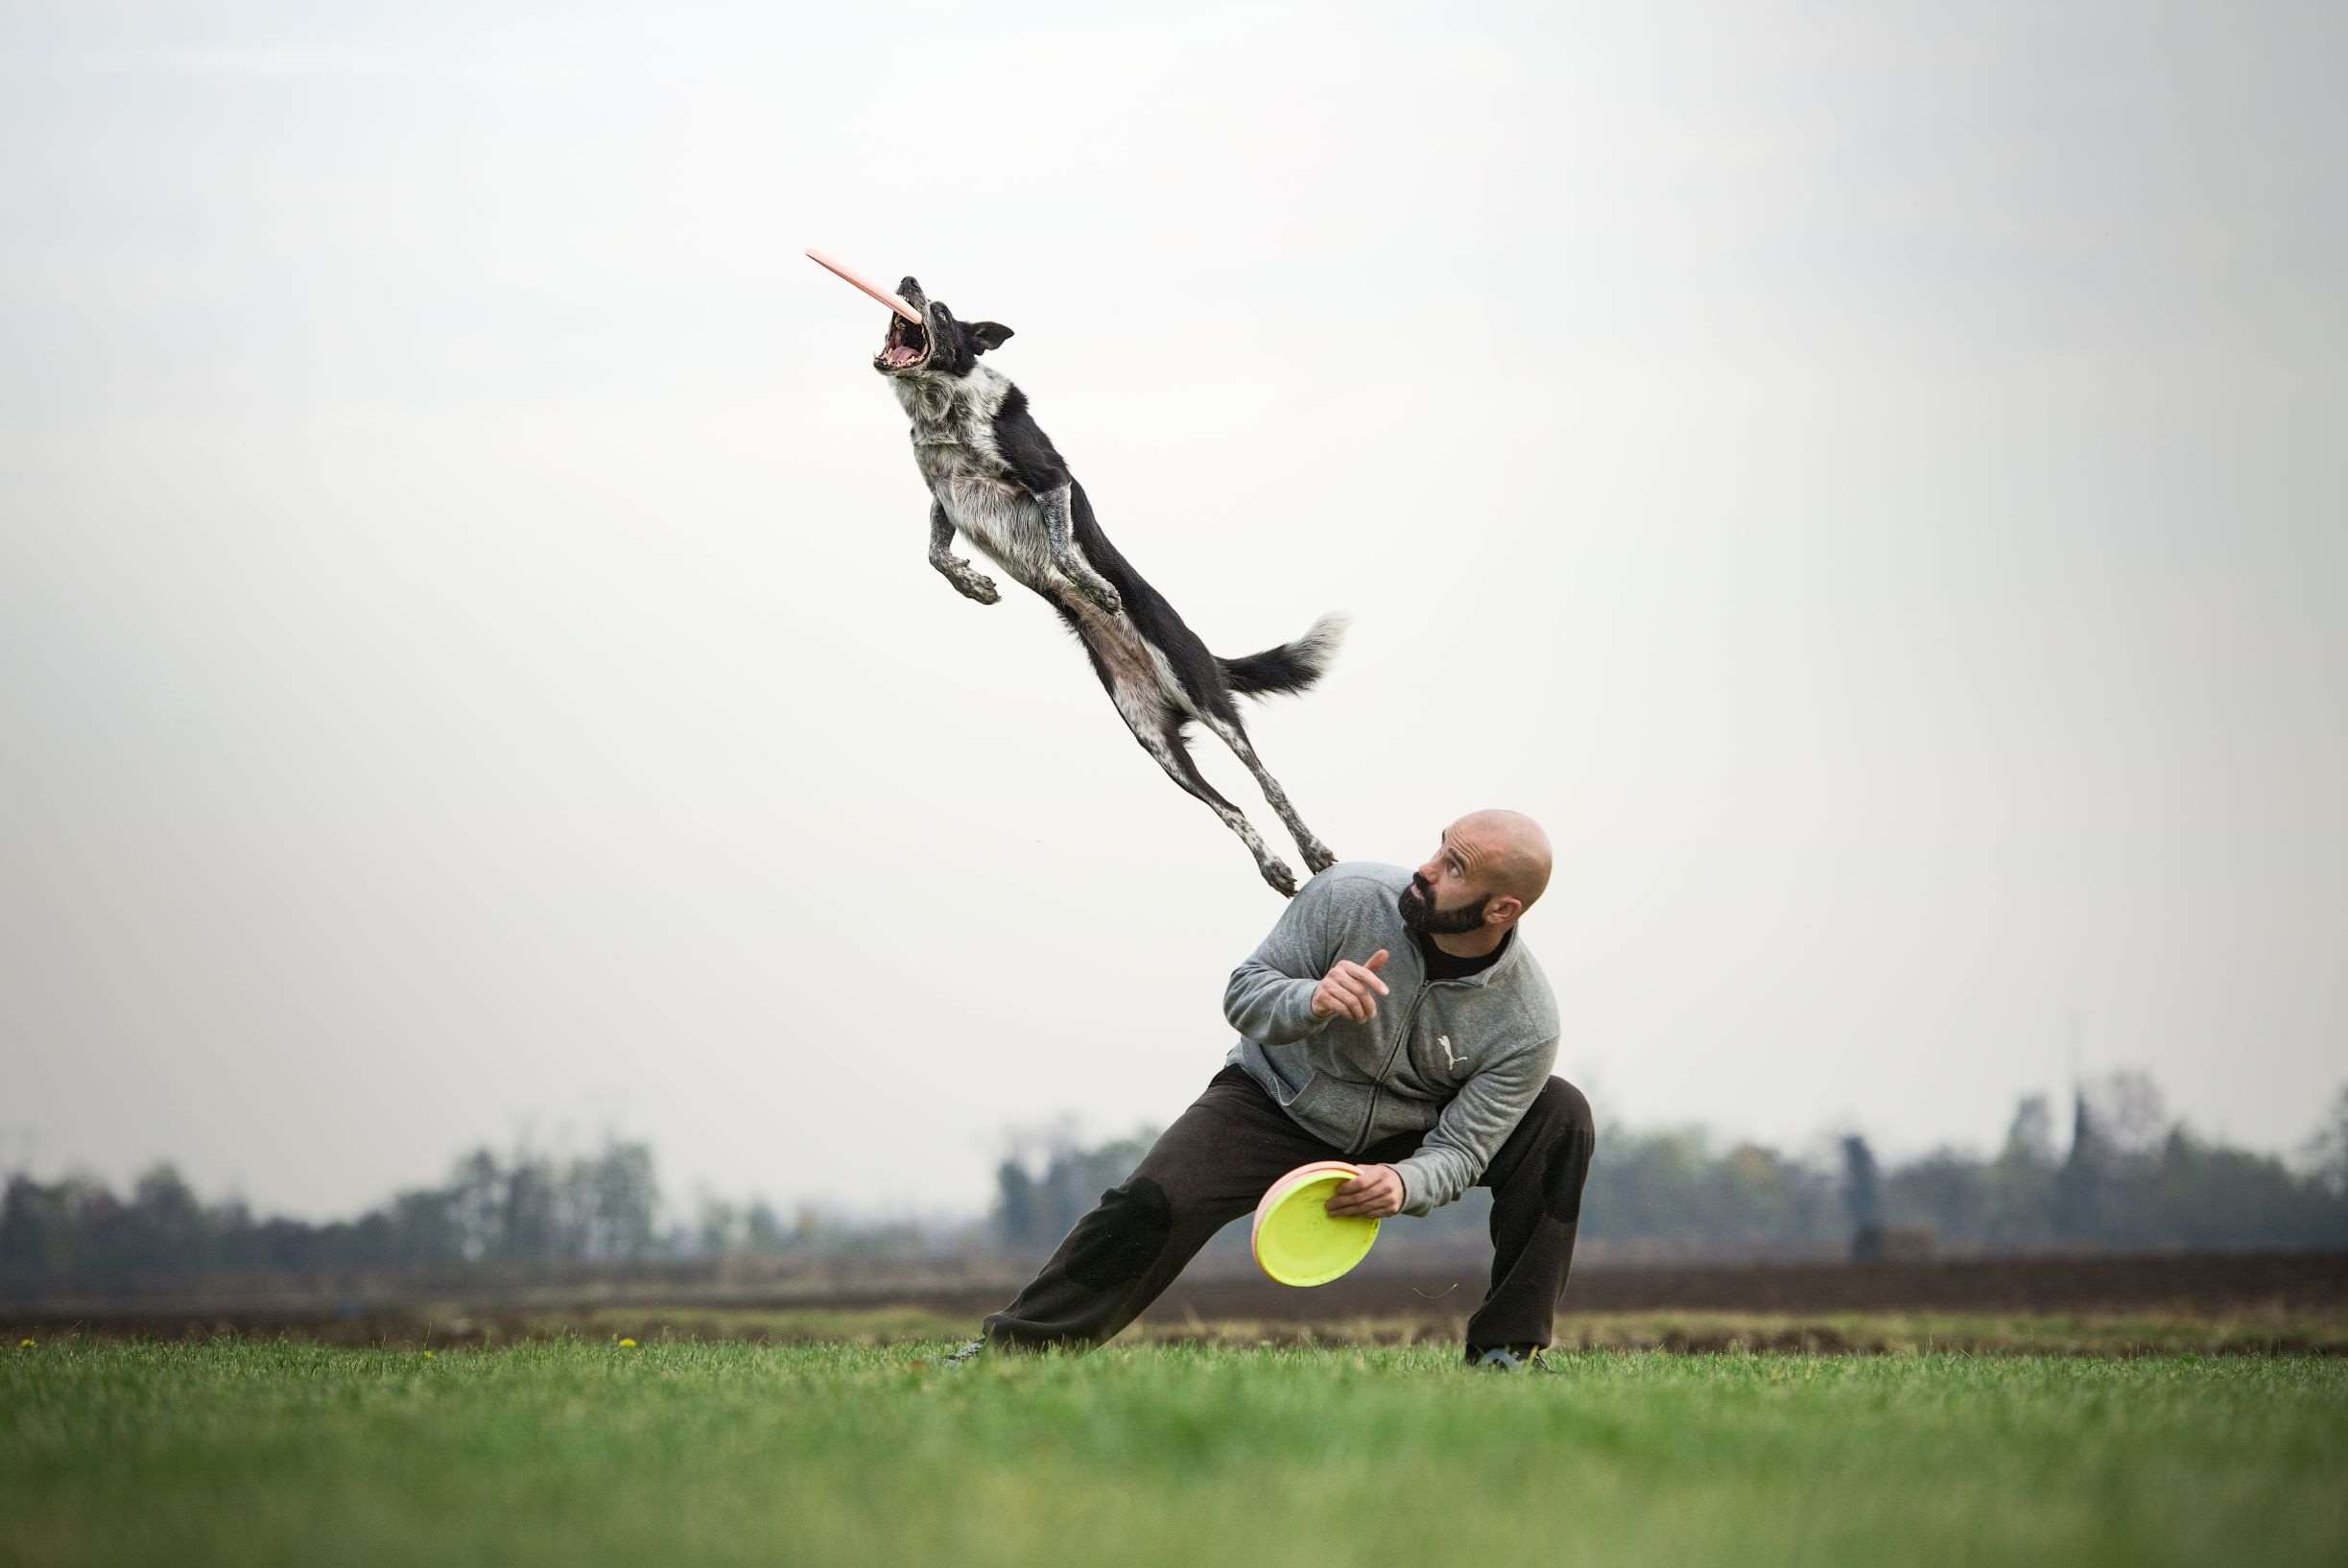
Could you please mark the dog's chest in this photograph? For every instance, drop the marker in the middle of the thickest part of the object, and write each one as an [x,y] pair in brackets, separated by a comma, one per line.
[992,509]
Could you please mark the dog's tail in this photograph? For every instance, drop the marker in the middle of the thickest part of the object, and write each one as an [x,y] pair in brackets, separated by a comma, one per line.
[1291,667]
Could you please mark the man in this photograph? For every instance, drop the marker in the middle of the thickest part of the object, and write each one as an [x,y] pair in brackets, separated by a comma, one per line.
[1393,1019]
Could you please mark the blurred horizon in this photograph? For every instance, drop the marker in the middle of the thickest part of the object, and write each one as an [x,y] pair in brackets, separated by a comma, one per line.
[2121,1117]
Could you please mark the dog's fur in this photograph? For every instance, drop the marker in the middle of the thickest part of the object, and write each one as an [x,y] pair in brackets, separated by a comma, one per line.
[992,474]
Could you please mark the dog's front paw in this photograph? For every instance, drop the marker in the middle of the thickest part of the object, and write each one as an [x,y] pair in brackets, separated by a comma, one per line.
[1110,600]
[975,585]
[1316,856]
[1276,873]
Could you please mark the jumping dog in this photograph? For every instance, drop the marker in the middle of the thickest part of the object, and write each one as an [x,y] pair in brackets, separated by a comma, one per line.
[993,476]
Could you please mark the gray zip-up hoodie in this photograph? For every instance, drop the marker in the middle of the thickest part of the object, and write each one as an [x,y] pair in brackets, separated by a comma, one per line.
[1460,1060]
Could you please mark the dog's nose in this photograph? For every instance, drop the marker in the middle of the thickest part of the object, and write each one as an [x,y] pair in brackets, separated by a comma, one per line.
[909,287]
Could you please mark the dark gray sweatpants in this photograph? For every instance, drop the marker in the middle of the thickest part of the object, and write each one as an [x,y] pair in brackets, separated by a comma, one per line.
[1216,1162]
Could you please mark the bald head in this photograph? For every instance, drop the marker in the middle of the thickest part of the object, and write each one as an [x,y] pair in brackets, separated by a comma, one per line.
[1487,873]
[1506,851]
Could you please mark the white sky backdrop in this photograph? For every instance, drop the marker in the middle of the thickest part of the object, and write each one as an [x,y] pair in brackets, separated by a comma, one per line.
[1870,478]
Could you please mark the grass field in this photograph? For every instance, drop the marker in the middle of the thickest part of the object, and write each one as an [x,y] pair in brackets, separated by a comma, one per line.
[2244,1331]
[586,1452]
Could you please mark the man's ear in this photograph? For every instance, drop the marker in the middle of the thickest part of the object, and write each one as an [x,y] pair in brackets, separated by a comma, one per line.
[985,335]
[1505,907]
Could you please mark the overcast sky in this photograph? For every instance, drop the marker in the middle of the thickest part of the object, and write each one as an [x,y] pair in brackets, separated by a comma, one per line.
[1869,478]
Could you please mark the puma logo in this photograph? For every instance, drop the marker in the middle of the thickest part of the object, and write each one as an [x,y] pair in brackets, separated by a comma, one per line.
[1450,1061]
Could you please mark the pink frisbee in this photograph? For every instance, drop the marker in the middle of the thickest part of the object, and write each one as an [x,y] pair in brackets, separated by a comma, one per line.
[884,296]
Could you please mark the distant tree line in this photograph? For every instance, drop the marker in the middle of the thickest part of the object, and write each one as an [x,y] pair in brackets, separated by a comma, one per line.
[526,1208]
[2130,1178]
[2128,1175]
[1048,1181]
[530,1208]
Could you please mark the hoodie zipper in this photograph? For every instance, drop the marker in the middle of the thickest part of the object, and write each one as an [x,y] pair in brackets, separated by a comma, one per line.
[1409,1020]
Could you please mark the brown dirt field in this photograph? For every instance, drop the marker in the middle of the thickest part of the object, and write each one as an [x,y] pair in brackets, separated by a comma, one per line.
[2184,1283]
[2245,1301]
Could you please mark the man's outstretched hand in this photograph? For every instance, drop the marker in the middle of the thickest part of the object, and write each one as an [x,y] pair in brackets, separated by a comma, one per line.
[1375,1193]
[1350,990]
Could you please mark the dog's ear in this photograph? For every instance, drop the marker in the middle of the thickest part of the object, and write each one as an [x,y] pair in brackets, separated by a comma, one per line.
[985,335]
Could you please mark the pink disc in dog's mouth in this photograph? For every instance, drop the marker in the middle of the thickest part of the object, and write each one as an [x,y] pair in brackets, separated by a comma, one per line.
[884,296]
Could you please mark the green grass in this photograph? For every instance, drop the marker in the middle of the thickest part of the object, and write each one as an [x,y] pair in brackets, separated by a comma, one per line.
[2262,1330]
[585,1453]
[2248,1331]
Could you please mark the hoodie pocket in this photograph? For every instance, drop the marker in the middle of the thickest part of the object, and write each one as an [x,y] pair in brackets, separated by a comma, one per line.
[1285,1097]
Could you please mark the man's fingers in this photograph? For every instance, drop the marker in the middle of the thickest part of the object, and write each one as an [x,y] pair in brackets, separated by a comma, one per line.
[1362,1195]
[1354,990]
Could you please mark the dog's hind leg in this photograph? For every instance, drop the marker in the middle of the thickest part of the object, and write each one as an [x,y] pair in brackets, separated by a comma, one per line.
[1164,743]
[1059,531]
[1315,853]
[1155,715]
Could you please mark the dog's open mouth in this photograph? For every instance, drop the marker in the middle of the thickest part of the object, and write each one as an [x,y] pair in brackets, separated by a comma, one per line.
[905,346]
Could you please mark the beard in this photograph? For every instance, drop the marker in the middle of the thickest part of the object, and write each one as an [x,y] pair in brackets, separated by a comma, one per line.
[1416,903]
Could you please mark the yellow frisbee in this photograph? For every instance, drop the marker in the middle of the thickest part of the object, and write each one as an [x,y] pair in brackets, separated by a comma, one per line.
[1296,1240]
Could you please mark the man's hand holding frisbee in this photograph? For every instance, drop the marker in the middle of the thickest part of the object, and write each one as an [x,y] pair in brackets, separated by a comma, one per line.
[1350,990]
[1376,1194]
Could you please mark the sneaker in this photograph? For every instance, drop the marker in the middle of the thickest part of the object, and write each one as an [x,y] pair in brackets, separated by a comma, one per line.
[1507,1358]
[968,1354]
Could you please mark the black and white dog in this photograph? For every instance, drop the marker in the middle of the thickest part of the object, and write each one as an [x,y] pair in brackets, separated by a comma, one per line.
[992,474]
